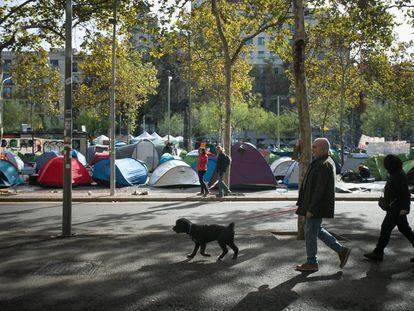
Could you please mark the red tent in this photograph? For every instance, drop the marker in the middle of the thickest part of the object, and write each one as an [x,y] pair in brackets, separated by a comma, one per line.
[98,156]
[51,173]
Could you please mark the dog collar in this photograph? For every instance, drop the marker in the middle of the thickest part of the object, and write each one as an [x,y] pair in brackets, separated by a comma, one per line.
[189,230]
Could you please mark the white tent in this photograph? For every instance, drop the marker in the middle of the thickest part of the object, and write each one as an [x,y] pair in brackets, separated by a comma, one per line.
[101,140]
[291,179]
[165,138]
[155,135]
[144,151]
[144,135]
[280,167]
[174,173]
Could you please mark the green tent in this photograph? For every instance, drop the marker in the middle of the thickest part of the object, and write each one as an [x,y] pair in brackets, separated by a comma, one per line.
[408,165]
[376,166]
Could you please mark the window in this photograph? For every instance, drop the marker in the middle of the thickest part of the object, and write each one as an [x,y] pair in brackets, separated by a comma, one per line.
[276,70]
[261,41]
[7,76]
[7,92]
[249,42]
[261,54]
[251,55]
[74,67]
[54,63]
[7,63]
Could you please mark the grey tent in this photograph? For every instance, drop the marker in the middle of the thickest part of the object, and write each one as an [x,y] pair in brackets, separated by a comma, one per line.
[144,151]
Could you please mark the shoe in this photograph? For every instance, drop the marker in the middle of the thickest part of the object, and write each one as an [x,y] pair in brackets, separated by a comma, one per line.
[228,193]
[200,193]
[307,267]
[219,195]
[343,256]
[374,256]
[206,194]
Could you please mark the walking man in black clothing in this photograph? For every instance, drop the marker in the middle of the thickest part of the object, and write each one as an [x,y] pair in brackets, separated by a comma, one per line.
[223,162]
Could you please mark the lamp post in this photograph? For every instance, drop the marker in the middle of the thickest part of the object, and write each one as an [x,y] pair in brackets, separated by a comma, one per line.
[112,110]
[2,110]
[169,106]
[278,121]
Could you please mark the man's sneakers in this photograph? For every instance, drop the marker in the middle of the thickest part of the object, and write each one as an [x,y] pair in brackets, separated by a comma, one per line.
[307,267]
[374,256]
[343,256]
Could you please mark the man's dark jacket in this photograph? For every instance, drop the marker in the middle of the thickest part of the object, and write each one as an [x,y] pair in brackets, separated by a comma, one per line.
[222,163]
[317,191]
[396,192]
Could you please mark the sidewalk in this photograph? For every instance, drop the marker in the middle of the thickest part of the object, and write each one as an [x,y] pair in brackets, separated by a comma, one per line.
[29,193]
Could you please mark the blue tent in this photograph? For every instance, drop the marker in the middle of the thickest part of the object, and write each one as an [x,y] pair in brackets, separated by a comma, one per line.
[211,167]
[9,176]
[77,155]
[167,157]
[41,160]
[129,172]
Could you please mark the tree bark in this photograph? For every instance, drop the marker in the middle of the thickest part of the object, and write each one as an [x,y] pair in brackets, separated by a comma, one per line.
[301,96]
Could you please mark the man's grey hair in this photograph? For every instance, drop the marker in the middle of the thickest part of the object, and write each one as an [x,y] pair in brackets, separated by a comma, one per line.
[325,143]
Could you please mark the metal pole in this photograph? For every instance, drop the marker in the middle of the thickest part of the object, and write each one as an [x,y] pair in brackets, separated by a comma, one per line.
[278,121]
[143,122]
[67,131]
[190,129]
[112,112]
[169,104]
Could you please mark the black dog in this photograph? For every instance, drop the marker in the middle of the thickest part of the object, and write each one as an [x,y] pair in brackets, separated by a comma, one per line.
[202,234]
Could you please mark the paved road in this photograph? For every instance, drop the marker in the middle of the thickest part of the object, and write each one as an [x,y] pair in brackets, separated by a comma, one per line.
[136,262]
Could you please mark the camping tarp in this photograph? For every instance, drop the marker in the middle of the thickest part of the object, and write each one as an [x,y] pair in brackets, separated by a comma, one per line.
[376,166]
[13,159]
[408,165]
[44,158]
[281,166]
[174,173]
[129,172]
[249,168]
[51,173]
[9,176]
[144,151]
[81,158]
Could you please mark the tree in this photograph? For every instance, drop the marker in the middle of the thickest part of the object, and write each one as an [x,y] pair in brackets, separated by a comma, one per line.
[176,124]
[135,80]
[38,83]
[235,23]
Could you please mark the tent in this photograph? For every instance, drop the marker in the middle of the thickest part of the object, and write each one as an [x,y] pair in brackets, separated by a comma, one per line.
[191,157]
[408,165]
[81,158]
[93,150]
[249,168]
[44,158]
[281,166]
[211,168]
[376,166]
[9,176]
[155,135]
[51,173]
[167,157]
[144,150]
[13,159]
[291,179]
[101,140]
[129,172]
[144,135]
[174,173]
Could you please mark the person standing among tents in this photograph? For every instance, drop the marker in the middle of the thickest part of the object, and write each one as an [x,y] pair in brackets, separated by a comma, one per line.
[168,148]
[201,170]
[317,201]
[223,162]
[397,206]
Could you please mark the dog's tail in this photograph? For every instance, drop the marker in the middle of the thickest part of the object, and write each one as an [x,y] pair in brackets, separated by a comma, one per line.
[231,226]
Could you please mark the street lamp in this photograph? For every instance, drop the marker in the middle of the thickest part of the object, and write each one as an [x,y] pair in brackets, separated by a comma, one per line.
[169,106]
[1,112]
[112,108]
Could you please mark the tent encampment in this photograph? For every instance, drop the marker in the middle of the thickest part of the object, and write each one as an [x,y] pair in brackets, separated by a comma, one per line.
[9,176]
[44,158]
[168,157]
[144,135]
[129,172]
[249,168]
[281,166]
[173,173]
[51,173]
[143,150]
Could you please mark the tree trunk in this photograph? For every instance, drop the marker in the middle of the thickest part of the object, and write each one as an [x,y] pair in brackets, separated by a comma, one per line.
[227,117]
[301,98]
[341,116]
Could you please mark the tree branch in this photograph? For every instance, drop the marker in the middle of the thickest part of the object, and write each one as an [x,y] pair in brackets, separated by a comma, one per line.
[14,10]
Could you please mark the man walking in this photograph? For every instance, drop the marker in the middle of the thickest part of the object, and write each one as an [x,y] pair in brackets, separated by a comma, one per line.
[316,201]
[223,161]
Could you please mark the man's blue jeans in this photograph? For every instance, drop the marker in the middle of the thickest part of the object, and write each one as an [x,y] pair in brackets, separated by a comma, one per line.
[314,230]
[223,189]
